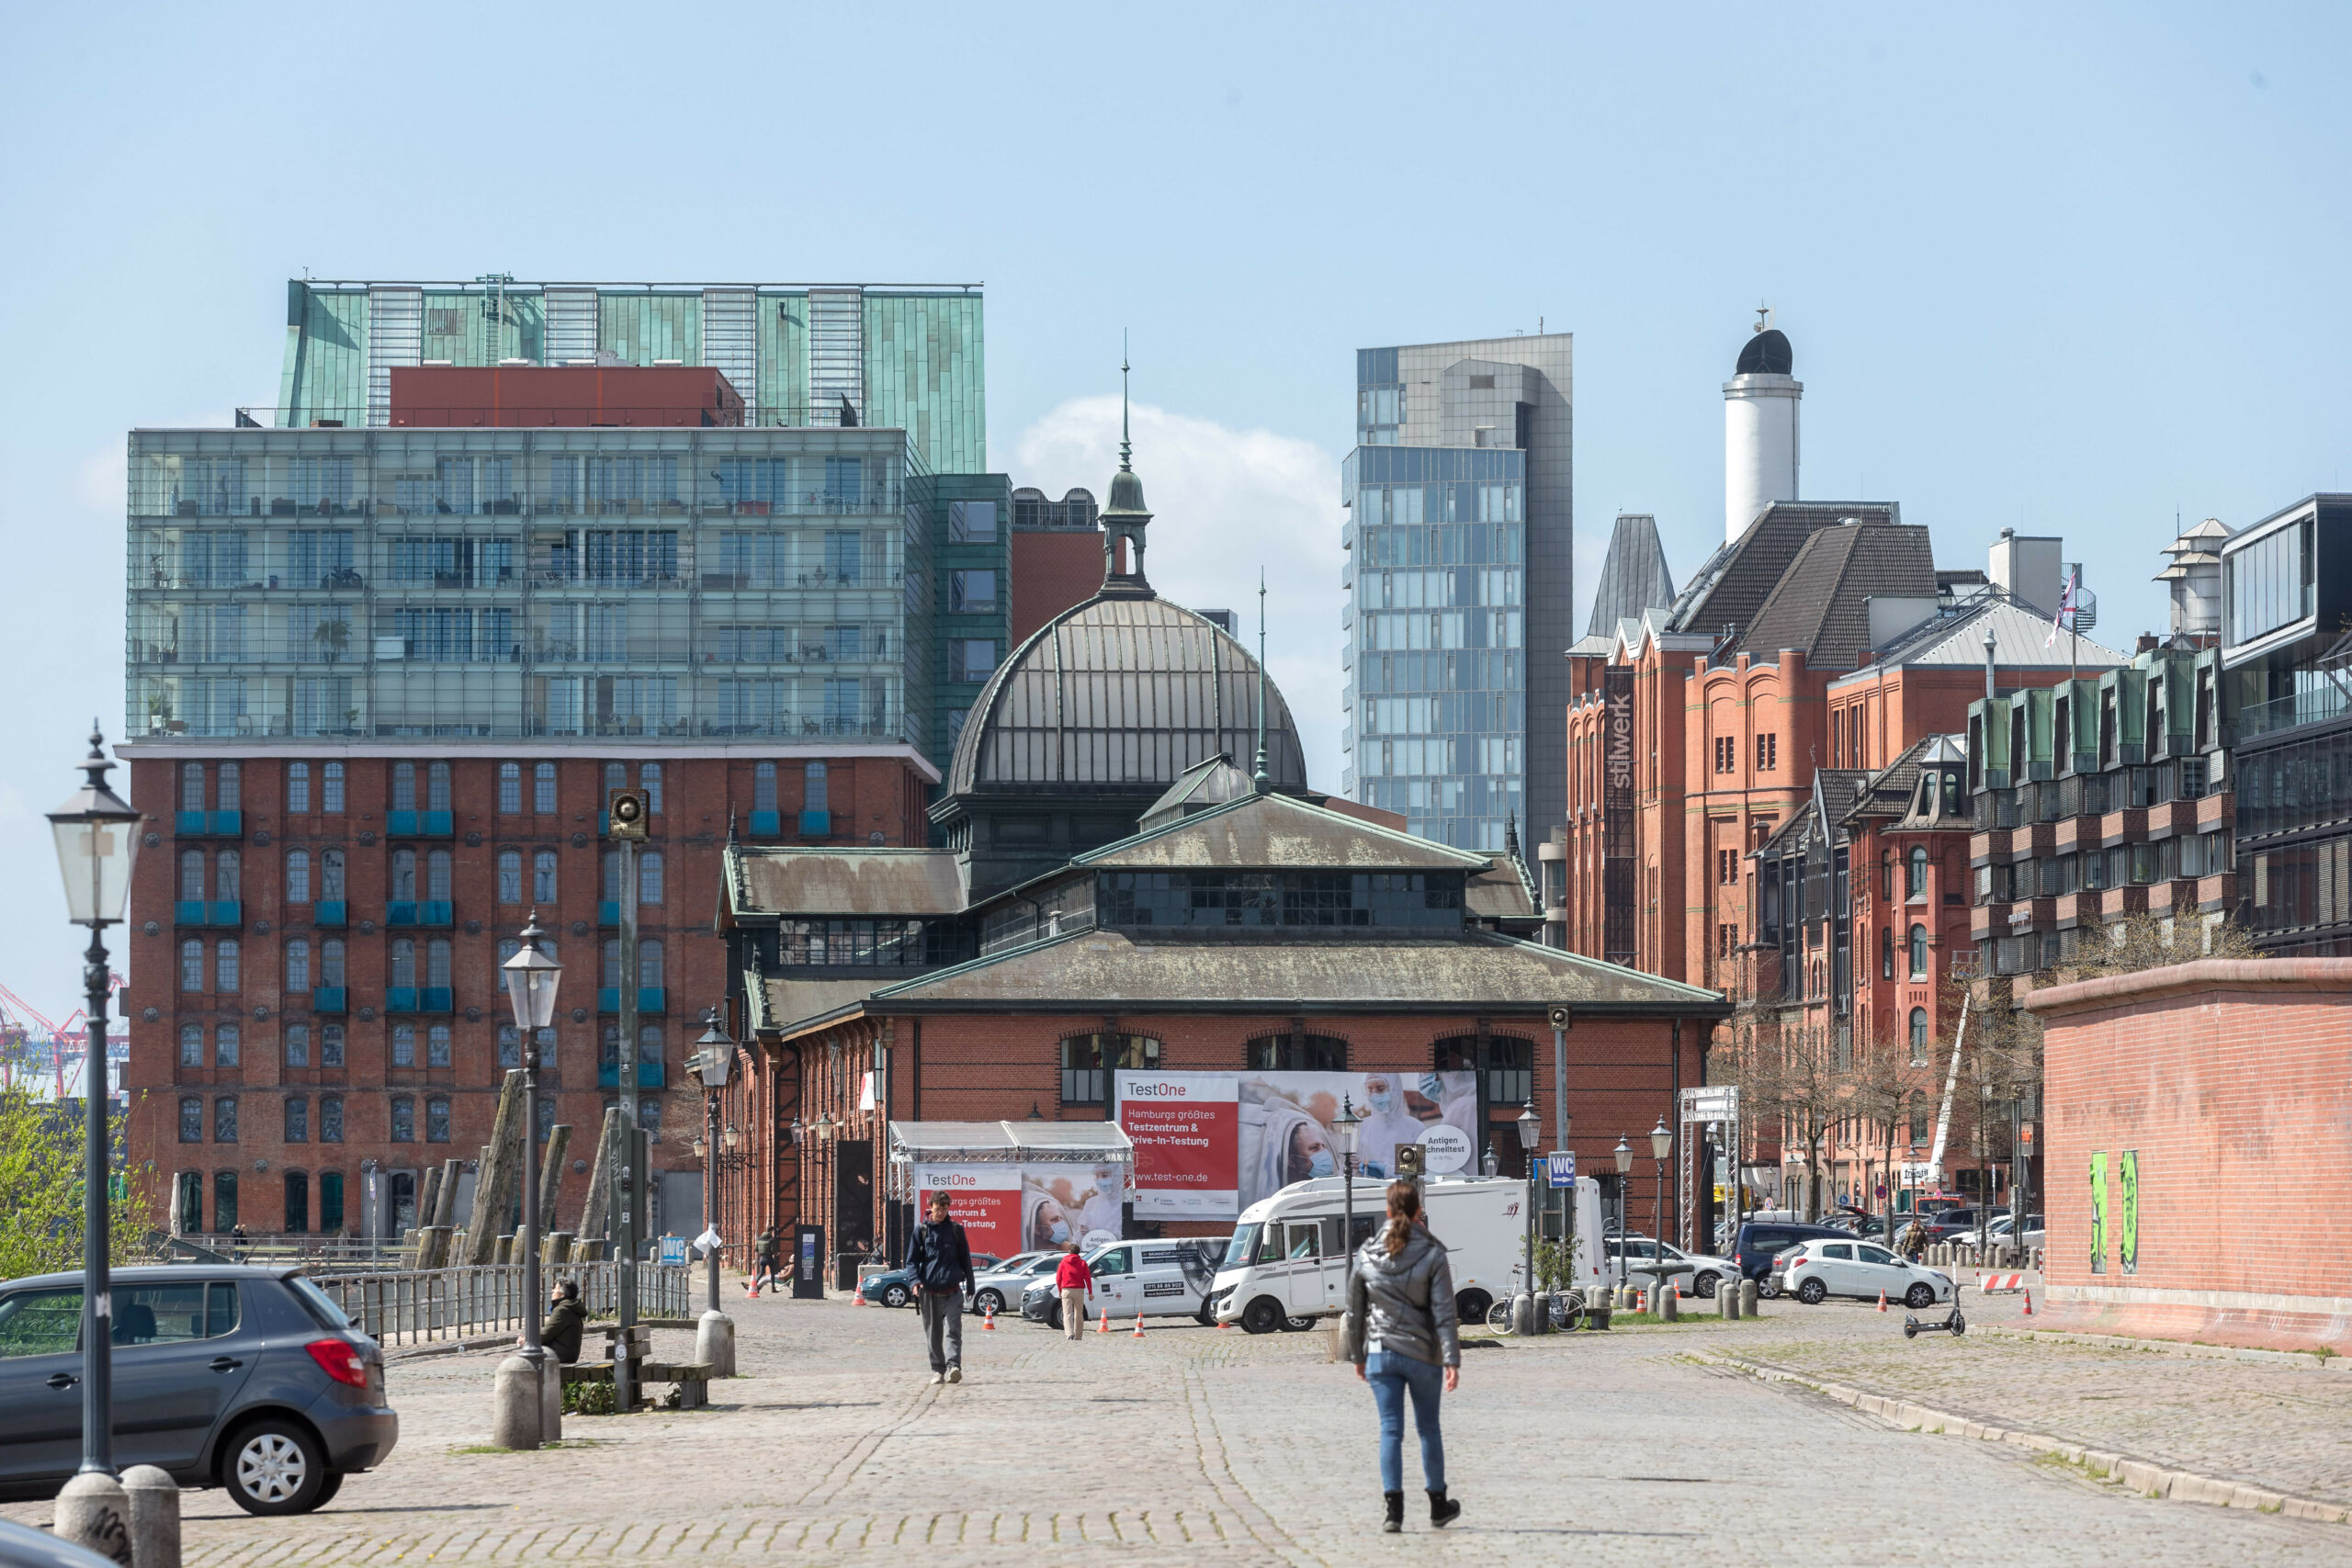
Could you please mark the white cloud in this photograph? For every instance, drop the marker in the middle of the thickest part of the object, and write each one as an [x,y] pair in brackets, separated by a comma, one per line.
[1224,504]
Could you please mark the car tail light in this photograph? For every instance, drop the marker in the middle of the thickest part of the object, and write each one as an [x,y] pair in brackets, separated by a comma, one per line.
[339,1360]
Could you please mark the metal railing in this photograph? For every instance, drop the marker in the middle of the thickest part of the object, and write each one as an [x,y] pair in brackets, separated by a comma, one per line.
[416,1306]
[2285,713]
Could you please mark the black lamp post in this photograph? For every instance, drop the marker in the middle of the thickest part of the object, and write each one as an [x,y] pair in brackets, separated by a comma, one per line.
[1531,1127]
[1661,1147]
[711,1065]
[532,976]
[1346,1126]
[1624,1154]
[96,844]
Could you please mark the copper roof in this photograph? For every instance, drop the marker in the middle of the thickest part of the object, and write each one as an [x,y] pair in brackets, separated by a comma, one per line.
[905,883]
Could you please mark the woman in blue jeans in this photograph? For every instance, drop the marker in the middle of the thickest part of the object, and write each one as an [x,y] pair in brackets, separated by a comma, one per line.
[1404,1339]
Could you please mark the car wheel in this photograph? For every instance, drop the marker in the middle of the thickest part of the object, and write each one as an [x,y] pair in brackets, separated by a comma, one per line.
[1205,1317]
[274,1466]
[326,1493]
[988,1302]
[1297,1325]
[894,1295]
[1812,1292]
[1919,1295]
[1262,1315]
[1705,1287]
[1768,1289]
[1472,1306]
[1054,1314]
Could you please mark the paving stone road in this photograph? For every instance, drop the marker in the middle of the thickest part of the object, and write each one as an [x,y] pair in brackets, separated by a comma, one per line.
[1205,1446]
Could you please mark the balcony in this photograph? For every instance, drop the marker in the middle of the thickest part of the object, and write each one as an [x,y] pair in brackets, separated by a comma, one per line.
[209,824]
[419,912]
[329,914]
[649,1075]
[2286,712]
[767,824]
[816,824]
[328,999]
[199,912]
[418,999]
[419,824]
[650,999]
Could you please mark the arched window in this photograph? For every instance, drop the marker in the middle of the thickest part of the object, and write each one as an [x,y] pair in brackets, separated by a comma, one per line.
[609,972]
[1918,1037]
[436,962]
[228,876]
[510,876]
[436,875]
[1296,1054]
[331,1119]
[649,779]
[403,876]
[191,1119]
[437,1045]
[1915,879]
[224,1201]
[403,786]
[1886,874]
[1918,953]
[331,964]
[1089,1060]
[298,789]
[649,961]
[191,1045]
[330,1201]
[224,968]
[189,1202]
[191,786]
[403,962]
[298,1202]
[436,787]
[228,792]
[298,877]
[224,1119]
[615,777]
[297,1119]
[298,1044]
[403,1044]
[510,788]
[331,788]
[298,965]
[436,1121]
[330,874]
[812,789]
[1885,952]
[191,876]
[1919,1117]
[543,876]
[764,787]
[403,1118]
[649,876]
[191,965]
[609,884]
[543,789]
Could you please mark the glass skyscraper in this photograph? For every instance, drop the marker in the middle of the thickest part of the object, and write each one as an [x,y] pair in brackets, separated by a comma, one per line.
[1458,566]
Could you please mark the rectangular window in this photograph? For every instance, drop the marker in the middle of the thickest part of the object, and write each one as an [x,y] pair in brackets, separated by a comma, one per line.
[331,789]
[191,1045]
[403,1044]
[191,1119]
[298,965]
[224,967]
[437,1045]
[510,788]
[1767,753]
[298,877]
[404,1120]
[298,1044]
[649,779]
[436,1121]
[298,1121]
[971,522]
[224,1119]
[331,1119]
[298,789]
[970,658]
[543,790]
[971,592]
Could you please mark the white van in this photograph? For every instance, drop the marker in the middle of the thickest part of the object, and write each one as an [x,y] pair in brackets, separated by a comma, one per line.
[1286,1262]
[1153,1278]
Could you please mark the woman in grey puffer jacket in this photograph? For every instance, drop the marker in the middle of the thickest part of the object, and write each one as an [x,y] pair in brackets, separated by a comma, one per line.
[1403,1337]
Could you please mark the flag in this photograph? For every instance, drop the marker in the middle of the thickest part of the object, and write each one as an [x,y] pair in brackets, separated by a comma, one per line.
[2065,607]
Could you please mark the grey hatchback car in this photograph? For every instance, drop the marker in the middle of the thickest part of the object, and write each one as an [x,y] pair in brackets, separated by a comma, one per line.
[242,1378]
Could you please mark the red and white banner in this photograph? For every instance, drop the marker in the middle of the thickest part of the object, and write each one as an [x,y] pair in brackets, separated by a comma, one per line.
[1186,1129]
[984,1199]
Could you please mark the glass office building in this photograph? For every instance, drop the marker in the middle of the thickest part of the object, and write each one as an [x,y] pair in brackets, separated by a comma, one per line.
[1457,566]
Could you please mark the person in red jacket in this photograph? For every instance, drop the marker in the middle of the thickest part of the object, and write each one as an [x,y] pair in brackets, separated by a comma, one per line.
[1076,1282]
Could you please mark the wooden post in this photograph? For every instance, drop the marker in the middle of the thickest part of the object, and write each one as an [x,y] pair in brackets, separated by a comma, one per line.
[500,1172]
[595,1219]
[444,1209]
[551,1174]
[428,1200]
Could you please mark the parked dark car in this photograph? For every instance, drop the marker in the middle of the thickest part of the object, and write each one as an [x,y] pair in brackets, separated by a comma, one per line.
[1760,1240]
[896,1287]
[241,1378]
[1951,1224]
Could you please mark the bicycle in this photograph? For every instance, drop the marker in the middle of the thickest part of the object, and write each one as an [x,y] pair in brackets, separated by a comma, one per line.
[1567,1306]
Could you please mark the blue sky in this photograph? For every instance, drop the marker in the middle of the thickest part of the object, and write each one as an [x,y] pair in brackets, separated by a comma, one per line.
[2067,273]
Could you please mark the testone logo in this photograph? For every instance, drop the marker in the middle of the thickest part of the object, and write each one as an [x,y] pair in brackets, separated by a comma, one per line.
[1158,1090]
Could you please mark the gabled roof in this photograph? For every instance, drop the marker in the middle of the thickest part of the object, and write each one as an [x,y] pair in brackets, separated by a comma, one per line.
[1211,781]
[1084,972]
[2020,640]
[1736,579]
[1277,831]
[765,880]
[1633,577]
[1500,892]
[1833,793]
[1821,604]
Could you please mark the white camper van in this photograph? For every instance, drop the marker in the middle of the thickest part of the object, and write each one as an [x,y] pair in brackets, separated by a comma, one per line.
[1287,1260]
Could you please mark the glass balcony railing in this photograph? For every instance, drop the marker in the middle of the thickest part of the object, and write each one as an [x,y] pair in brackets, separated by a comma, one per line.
[649,998]
[649,1075]
[203,912]
[419,824]
[327,998]
[399,999]
[816,824]
[419,912]
[767,824]
[329,914]
[209,824]
[2286,712]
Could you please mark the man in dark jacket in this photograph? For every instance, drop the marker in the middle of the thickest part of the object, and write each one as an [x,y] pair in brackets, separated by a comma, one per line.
[939,1259]
[560,1333]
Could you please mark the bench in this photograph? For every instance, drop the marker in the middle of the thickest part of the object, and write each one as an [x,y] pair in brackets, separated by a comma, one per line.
[691,1379]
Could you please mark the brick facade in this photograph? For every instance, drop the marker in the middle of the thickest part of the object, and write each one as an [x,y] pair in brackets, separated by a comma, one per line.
[243,1087]
[2229,1083]
[1053,570]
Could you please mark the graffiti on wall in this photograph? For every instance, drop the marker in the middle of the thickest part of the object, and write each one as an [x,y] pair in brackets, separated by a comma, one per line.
[2126,1211]
[2099,1214]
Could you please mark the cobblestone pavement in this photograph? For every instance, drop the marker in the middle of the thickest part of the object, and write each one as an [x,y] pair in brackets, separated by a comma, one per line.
[1211,1446]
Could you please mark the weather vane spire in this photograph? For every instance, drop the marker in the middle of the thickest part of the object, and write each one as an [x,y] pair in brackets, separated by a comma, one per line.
[1262,781]
[1126,450]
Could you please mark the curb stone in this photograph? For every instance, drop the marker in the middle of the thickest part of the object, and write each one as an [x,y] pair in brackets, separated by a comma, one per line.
[2168,1346]
[2147,1479]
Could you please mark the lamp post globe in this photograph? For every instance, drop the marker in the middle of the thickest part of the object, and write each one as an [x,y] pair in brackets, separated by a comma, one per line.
[1624,1152]
[532,977]
[1661,1146]
[97,844]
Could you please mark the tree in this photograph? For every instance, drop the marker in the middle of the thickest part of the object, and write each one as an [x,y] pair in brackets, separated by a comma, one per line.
[1880,1091]
[40,1189]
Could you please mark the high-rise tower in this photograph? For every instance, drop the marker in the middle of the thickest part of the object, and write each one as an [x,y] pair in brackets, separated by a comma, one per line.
[1760,427]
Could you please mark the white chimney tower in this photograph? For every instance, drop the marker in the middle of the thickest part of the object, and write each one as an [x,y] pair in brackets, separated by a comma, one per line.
[1760,427]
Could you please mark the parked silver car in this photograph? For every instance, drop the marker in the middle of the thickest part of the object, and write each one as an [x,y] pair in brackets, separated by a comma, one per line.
[242,1378]
[999,1288]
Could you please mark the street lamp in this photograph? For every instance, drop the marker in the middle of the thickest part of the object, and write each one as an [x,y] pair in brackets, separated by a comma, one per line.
[1346,1126]
[1624,1152]
[1661,1146]
[711,1064]
[1531,1127]
[532,976]
[97,845]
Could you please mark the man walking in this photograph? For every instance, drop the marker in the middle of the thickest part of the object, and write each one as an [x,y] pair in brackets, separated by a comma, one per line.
[939,1259]
[1076,1282]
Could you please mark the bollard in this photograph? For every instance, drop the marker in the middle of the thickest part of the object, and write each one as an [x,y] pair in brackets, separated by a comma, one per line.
[715,1343]
[514,1406]
[1523,1314]
[550,1396]
[1670,1306]
[94,1512]
[154,1516]
[1728,1295]
[1747,1298]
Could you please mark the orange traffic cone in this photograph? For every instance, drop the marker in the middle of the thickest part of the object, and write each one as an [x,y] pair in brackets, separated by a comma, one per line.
[988,1320]
[1882,1300]
[1139,1332]
[1102,1323]
[2029,1304]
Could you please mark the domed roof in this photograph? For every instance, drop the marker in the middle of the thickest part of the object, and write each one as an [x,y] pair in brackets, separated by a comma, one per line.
[1121,693]
[1767,353]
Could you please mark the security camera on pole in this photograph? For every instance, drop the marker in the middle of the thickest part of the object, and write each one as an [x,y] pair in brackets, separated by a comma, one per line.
[626,811]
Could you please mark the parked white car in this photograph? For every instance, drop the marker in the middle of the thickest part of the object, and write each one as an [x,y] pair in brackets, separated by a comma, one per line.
[1817,1269]
[1705,1274]
[1155,1279]
[999,1288]
[2030,1236]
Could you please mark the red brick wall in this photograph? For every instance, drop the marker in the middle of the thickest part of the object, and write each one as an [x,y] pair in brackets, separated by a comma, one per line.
[2233,1081]
[868,796]
[1053,570]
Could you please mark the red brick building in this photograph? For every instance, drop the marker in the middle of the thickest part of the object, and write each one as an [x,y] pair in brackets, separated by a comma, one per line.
[316,929]
[2201,1187]
[1057,559]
